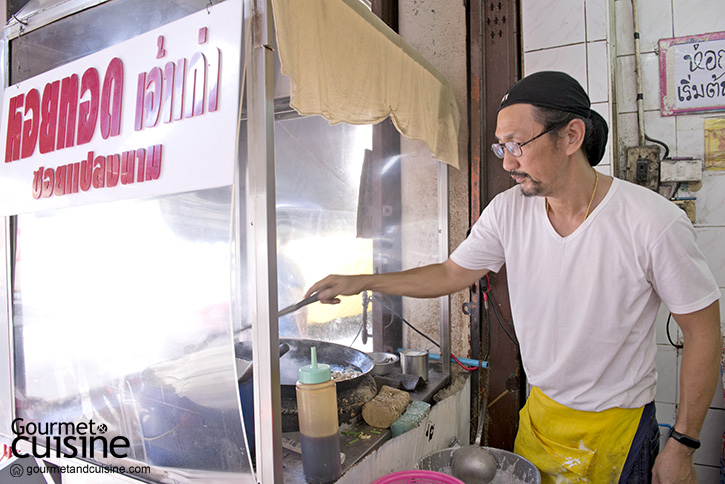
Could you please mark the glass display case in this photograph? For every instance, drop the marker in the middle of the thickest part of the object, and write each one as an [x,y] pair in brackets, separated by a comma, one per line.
[121,316]
[132,314]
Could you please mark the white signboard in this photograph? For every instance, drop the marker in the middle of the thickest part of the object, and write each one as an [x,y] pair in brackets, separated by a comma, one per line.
[692,74]
[153,115]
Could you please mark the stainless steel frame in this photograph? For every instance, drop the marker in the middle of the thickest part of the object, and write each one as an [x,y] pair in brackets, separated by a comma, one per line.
[7,409]
[443,248]
[27,21]
[263,253]
[254,193]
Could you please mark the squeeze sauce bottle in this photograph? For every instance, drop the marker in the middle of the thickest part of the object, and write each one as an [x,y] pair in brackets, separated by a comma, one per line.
[317,411]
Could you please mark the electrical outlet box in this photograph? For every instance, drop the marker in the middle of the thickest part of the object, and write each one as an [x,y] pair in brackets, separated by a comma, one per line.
[680,170]
[643,166]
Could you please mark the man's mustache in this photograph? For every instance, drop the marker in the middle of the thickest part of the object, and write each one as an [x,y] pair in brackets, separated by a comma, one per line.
[519,174]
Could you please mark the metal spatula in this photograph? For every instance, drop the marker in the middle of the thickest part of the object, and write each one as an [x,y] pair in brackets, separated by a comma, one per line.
[290,309]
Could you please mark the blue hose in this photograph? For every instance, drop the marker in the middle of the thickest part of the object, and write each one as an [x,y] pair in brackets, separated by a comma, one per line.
[465,361]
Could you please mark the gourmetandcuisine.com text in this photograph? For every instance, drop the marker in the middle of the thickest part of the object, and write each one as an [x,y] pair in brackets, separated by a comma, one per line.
[85,469]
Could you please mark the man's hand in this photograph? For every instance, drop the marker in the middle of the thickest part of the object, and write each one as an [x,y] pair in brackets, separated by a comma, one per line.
[674,465]
[333,285]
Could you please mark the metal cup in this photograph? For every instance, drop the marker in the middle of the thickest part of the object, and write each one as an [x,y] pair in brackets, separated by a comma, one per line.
[415,362]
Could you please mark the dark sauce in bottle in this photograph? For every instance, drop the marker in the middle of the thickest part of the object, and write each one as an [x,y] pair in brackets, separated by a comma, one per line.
[321,458]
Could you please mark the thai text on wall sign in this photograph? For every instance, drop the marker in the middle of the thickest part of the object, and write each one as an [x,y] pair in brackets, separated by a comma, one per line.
[692,74]
[157,111]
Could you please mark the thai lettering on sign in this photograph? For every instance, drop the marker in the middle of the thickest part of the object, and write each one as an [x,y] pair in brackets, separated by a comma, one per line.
[693,74]
[98,123]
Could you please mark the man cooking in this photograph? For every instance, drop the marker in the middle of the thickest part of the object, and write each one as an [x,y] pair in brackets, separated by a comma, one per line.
[589,260]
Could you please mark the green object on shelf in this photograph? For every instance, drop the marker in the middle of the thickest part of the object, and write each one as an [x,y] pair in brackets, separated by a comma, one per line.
[413,415]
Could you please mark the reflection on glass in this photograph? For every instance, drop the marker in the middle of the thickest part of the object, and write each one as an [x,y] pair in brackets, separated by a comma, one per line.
[336,214]
[122,319]
[318,177]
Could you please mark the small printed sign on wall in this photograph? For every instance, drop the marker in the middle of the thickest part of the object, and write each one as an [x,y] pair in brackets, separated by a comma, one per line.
[715,144]
[692,74]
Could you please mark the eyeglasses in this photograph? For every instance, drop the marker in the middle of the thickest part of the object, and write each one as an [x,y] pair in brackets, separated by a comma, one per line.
[515,148]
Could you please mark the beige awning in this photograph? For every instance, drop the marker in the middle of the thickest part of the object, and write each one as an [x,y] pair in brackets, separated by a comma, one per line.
[346,65]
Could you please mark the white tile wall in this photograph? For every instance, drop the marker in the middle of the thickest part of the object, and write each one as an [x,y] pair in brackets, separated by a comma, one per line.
[596,19]
[655,23]
[660,320]
[573,41]
[708,474]
[718,401]
[542,30]
[627,130]
[710,240]
[711,439]
[597,72]
[690,139]
[626,79]
[624,29]
[662,129]
[571,59]
[661,328]
[710,203]
[666,413]
[659,128]
[709,17]
[626,84]
[667,380]
[651,81]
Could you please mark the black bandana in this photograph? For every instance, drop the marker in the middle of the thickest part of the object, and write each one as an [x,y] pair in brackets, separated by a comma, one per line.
[557,90]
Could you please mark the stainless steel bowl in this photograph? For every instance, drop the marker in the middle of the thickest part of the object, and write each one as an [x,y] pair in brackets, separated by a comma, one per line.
[384,362]
[512,468]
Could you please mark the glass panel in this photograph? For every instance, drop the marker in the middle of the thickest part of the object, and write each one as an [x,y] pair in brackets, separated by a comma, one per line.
[122,309]
[318,180]
[327,222]
[89,31]
[122,318]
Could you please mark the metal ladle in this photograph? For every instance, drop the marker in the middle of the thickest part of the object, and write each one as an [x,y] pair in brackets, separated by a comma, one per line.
[474,464]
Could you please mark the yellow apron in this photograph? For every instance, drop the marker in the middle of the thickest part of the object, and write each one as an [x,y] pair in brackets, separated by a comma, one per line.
[568,445]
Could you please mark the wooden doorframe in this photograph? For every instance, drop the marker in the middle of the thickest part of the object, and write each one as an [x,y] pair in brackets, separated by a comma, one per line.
[493,65]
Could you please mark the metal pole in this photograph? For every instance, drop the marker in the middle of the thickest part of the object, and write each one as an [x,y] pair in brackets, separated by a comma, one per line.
[445,301]
[7,372]
[7,388]
[638,72]
[263,236]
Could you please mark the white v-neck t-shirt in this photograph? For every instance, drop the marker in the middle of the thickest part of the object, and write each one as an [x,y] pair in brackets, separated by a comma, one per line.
[584,305]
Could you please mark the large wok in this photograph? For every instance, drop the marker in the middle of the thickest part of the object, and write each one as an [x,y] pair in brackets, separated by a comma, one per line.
[337,356]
